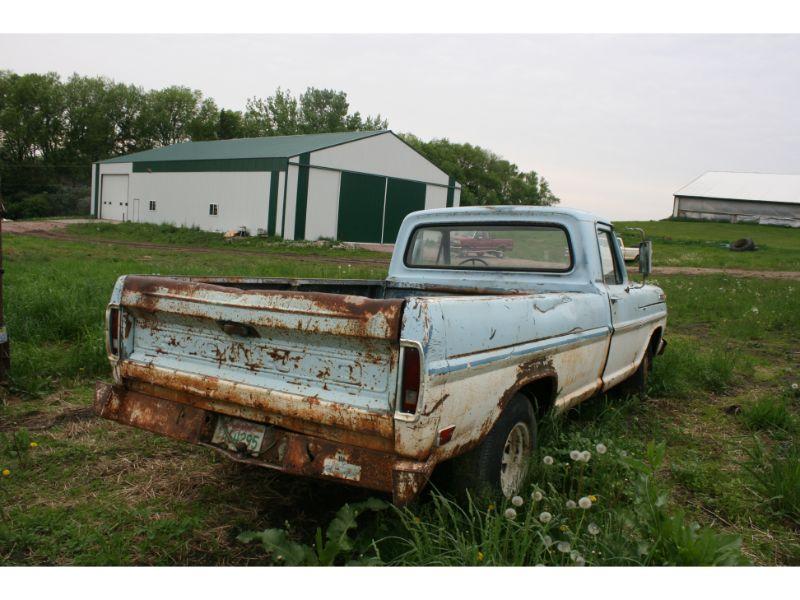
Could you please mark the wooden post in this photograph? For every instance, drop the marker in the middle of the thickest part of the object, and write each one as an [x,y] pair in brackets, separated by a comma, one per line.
[5,355]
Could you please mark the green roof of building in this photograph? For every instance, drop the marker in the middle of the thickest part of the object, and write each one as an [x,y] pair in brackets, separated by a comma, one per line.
[283,146]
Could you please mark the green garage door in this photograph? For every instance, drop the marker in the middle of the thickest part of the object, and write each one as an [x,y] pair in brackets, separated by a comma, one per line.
[402,197]
[361,208]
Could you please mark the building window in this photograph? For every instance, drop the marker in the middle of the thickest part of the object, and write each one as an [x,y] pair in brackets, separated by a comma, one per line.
[213,210]
[152,204]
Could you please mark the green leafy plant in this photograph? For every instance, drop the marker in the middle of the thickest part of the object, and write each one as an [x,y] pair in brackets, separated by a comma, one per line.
[666,538]
[18,445]
[335,547]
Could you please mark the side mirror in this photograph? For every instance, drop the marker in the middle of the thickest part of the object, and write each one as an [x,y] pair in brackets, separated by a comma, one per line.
[646,258]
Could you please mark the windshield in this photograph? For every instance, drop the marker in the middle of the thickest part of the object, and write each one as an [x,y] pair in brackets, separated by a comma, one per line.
[490,247]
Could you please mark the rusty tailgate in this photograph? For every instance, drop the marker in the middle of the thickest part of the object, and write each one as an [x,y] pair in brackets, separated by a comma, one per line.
[306,358]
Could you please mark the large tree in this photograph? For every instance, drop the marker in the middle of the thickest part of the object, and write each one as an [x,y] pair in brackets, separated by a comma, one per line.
[485,178]
[100,118]
[229,125]
[31,115]
[169,114]
[314,111]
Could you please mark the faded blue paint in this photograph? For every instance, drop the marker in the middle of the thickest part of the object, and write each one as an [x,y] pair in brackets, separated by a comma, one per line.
[530,350]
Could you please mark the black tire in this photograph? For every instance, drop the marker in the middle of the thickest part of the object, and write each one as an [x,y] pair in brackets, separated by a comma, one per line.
[636,384]
[742,245]
[480,469]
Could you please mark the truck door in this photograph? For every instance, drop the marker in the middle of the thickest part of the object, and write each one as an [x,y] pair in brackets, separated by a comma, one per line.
[629,336]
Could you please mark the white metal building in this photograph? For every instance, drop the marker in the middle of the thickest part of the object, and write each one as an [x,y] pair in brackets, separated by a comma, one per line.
[351,186]
[765,198]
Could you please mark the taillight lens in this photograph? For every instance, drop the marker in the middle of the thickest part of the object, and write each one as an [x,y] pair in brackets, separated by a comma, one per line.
[411,376]
[113,330]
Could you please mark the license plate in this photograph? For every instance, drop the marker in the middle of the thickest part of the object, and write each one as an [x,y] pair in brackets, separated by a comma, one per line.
[236,434]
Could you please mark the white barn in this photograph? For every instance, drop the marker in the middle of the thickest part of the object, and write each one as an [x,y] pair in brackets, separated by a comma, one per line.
[765,198]
[350,186]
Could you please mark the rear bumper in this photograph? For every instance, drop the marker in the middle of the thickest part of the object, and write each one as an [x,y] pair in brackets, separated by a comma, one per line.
[287,451]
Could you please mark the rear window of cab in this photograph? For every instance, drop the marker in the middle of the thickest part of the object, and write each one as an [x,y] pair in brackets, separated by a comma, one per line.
[490,247]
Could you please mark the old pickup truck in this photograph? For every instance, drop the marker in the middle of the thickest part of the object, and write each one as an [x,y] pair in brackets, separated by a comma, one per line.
[375,383]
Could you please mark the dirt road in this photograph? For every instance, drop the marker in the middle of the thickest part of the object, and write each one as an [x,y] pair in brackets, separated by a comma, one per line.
[36,226]
[729,272]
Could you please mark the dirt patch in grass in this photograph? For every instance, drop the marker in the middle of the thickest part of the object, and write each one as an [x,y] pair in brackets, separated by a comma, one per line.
[43,225]
[38,422]
[791,275]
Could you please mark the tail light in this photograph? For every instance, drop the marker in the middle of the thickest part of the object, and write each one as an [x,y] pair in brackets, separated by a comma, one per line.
[113,331]
[409,392]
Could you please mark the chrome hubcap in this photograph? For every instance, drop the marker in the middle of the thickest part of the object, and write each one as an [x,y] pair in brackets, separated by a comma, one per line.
[514,462]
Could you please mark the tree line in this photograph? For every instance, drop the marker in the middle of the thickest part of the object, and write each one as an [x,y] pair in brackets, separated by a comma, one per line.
[52,129]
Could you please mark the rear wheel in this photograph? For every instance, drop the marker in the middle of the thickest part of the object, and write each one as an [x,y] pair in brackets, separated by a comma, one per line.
[501,460]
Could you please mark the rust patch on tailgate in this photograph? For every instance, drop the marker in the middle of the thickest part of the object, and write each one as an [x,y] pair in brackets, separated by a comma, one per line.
[311,410]
[357,438]
[179,421]
[343,314]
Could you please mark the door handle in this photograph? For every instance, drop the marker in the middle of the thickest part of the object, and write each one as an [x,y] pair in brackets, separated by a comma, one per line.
[238,329]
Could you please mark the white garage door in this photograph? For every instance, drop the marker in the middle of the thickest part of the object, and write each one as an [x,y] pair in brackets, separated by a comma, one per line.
[114,198]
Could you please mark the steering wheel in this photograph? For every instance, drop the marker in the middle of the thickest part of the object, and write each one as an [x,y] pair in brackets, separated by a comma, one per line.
[474,262]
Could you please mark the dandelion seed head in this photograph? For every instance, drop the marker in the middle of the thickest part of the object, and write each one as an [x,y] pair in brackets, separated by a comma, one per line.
[510,514]
[563,547]
[601,448]
[585,503]
[517,501]
[548,460]
[580,561]
[548,541]
[537,496]
[545,517]
[585,456]
[575,455]
[571,504]
[593,529]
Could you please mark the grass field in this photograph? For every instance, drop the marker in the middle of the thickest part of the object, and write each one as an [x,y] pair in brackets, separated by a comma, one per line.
[185,236]
[701,244]
[716,444]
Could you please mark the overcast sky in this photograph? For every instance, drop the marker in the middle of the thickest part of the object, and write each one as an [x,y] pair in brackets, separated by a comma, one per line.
[615,123]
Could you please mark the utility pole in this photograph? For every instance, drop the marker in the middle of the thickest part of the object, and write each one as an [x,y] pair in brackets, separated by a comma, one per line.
[5,355]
